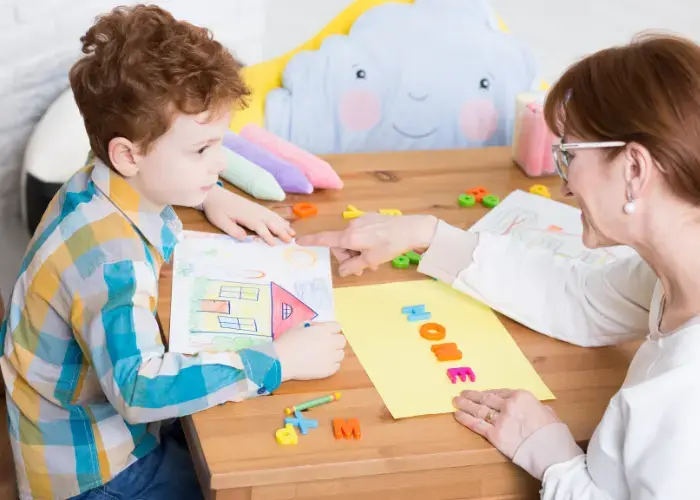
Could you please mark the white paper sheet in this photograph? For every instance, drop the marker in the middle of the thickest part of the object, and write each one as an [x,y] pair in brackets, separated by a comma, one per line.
[543,222]
[229,295]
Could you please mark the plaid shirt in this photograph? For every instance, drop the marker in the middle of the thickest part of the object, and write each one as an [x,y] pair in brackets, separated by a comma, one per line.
[87,375]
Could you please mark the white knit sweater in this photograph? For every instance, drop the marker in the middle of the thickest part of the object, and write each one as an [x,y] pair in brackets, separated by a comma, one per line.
[646,445]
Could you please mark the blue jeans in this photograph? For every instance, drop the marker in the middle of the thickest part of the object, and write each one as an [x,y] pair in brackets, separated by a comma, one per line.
[166,473]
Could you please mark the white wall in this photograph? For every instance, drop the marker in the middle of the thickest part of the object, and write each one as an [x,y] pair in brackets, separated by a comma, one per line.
[558,31]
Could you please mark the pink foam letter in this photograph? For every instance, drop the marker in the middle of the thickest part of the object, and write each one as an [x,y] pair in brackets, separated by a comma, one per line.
[462,373]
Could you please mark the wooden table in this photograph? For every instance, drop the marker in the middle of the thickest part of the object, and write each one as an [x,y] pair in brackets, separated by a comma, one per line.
[425,458]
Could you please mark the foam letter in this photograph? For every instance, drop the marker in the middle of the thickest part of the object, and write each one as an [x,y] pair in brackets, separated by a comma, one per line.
[390,211]
[287,435]
[304,424]
[343,429]
[352,213]
[447,352]
[462,373]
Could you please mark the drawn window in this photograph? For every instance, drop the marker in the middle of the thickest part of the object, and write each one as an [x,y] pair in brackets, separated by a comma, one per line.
[215,306]
[242,324]
[287,310]
[240,293]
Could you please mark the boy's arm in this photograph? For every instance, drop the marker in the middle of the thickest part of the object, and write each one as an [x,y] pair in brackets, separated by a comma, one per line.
[114,321]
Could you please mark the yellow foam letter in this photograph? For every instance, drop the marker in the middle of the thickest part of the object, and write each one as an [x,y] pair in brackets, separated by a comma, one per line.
[287,435]
[390,211]
[352,213]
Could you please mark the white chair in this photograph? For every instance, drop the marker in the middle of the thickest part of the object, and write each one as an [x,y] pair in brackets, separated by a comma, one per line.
[56,150]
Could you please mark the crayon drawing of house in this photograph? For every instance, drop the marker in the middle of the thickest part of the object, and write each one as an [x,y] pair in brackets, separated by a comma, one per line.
[256,311]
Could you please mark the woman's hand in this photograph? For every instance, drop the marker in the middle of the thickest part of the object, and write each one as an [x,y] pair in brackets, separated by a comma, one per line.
[374,239]
[506,418]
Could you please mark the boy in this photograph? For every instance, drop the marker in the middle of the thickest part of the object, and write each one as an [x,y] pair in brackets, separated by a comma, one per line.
[88,379]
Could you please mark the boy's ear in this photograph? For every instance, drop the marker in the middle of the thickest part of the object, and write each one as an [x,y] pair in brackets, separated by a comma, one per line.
[123,155]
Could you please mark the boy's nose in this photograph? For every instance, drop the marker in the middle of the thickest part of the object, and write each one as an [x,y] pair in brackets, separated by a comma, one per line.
[220,165]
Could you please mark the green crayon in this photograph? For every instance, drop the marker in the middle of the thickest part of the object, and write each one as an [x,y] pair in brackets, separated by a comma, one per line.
[313,403]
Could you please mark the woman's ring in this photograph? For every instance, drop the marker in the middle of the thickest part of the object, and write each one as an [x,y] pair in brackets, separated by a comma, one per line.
[490,415]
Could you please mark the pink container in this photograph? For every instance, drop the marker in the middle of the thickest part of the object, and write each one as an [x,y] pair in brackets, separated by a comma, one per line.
[532,143]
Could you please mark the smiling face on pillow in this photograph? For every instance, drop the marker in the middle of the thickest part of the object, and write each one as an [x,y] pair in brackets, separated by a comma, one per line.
[430,75]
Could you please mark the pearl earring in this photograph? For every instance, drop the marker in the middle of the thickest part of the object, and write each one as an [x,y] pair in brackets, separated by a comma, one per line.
[630,206]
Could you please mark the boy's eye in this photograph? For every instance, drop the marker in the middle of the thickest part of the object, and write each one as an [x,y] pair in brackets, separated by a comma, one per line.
[202,150]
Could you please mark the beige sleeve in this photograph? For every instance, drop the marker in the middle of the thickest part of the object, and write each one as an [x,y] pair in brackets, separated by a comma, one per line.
[449,253]
[552,444]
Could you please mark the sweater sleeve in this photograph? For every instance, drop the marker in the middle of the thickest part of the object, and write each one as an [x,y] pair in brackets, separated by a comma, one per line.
[653,437]
[571,301]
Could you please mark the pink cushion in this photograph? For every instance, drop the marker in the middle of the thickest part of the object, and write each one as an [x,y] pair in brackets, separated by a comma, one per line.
[320,173]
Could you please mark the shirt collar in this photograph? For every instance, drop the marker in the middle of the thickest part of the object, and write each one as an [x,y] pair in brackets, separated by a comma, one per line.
[160,226]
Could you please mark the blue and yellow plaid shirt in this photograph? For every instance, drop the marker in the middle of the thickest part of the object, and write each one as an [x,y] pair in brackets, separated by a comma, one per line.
[88,377]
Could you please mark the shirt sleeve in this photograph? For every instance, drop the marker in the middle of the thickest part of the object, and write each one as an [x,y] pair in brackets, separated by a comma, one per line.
[571,480]
[114,321]
[572,301]
[658,439]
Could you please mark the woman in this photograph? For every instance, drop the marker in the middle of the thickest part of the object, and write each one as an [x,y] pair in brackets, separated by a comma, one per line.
[629,118]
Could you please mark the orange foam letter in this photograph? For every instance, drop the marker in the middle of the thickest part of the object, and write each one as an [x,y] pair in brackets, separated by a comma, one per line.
[343,429]
[432,331]
[447,352]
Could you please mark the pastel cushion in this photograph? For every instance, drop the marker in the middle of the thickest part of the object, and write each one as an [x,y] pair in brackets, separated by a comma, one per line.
[431,74]
[289,177]
[250,178]
[319,172]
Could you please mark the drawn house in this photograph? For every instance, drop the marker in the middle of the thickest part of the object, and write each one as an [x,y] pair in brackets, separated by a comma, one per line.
[247,309]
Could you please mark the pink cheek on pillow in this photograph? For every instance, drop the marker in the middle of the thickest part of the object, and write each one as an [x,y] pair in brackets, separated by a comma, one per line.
[478,120]
[359,110]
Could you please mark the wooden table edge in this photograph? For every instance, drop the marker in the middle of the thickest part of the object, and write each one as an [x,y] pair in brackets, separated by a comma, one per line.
[353,469]
[198,460]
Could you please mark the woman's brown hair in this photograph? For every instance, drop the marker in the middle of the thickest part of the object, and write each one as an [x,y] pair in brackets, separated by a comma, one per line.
[646,92]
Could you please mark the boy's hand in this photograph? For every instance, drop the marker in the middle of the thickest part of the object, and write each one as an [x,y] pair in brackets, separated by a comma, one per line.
[227,210]
[312,352]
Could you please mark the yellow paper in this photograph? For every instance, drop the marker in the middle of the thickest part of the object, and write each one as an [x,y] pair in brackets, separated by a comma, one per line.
[400,363]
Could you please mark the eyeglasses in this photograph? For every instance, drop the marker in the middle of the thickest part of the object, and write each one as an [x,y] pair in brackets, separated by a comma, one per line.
[562,158]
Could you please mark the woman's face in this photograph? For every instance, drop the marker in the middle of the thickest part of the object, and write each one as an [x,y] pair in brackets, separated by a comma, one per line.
[600,190]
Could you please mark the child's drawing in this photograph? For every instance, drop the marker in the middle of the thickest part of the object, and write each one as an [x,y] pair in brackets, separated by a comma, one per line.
[540,222]
[229,295]
[248,309]
[314,291]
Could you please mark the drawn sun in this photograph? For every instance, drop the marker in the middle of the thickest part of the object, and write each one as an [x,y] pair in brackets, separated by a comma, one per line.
[300,258]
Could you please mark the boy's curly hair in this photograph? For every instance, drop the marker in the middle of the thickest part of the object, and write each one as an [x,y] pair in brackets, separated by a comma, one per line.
[141,67]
